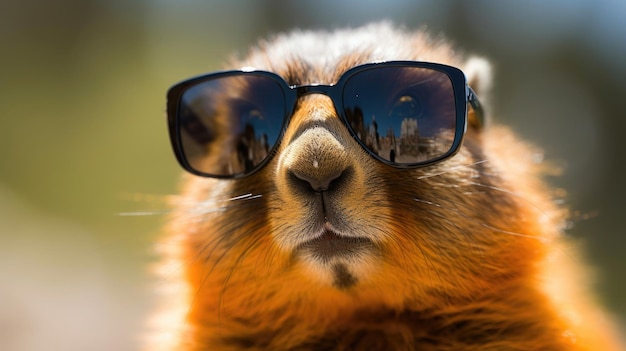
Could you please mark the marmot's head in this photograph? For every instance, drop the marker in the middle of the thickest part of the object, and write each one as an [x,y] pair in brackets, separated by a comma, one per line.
[335,202]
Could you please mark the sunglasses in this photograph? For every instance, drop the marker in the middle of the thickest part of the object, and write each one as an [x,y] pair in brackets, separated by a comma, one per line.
[405,114]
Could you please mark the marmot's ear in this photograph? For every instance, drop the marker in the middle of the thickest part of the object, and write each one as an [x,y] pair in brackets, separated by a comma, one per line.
[478,74]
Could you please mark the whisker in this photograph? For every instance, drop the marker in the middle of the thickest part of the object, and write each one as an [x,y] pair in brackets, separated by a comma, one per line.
[151,199]
[428,202]
[491,187]
[452,169]
[201,208]
[468,182]
[514,194]
[244,197]
[544,240]
[467,217]
[182,201]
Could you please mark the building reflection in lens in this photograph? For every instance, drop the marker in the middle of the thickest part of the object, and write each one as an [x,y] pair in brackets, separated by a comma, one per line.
[251,150]
[401,143]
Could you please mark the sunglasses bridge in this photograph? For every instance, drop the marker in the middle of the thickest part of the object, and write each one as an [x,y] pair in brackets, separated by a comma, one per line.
[302,90]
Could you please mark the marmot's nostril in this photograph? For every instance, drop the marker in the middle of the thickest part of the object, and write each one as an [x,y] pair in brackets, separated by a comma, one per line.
[316,181]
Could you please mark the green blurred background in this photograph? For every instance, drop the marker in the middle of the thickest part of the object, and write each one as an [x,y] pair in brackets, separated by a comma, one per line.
[84,143]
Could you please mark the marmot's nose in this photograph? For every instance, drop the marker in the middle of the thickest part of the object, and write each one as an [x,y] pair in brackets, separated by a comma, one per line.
[317,181]
[316,161]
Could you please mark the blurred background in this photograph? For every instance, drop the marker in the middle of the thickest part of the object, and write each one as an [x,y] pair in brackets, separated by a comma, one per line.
[85,158]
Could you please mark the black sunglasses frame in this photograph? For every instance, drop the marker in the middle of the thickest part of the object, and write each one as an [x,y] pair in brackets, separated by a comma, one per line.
[463,95]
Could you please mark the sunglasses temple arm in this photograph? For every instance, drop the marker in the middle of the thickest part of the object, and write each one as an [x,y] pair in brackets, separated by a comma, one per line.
[476,106]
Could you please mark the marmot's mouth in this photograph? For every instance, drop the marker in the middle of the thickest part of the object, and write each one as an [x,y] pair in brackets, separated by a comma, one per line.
[331,245]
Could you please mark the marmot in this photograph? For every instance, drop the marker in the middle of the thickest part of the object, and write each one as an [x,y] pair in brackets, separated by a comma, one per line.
[354,198]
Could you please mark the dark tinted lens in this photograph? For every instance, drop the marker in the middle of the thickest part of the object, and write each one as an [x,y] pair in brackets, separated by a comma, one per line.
[405,115]
[228,125]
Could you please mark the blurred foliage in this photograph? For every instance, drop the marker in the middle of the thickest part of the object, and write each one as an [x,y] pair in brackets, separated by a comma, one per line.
[82,86]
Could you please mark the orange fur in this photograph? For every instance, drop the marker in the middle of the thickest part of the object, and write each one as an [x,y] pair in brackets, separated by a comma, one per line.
[469,253]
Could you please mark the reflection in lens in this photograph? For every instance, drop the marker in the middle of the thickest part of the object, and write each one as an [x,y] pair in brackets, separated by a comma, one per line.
[407,107]
[404,115]
[229,124]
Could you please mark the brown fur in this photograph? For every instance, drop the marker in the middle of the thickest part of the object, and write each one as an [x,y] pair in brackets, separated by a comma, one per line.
[467,254]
